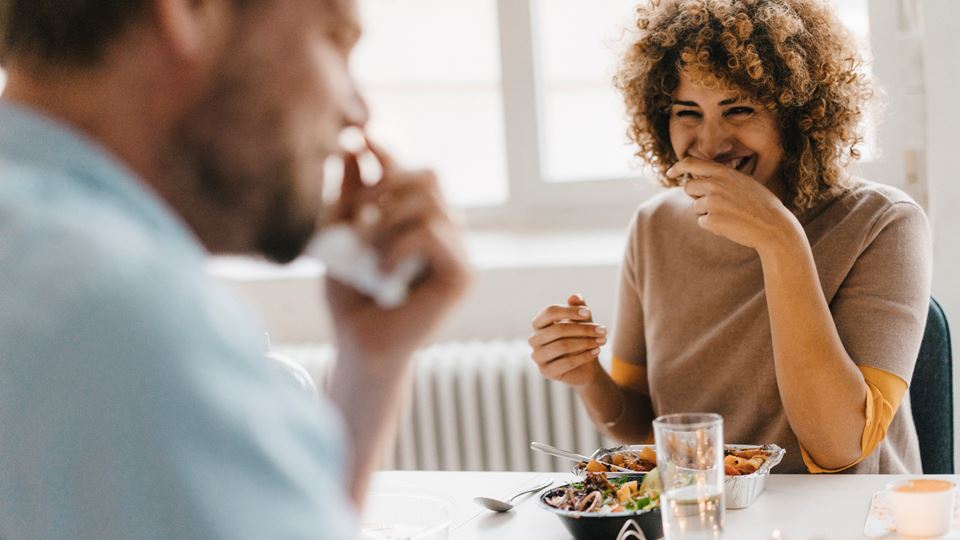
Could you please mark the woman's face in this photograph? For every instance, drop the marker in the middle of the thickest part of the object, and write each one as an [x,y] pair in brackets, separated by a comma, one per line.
[724,126]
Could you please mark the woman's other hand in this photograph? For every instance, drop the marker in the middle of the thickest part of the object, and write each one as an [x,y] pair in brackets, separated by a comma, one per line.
[566,342]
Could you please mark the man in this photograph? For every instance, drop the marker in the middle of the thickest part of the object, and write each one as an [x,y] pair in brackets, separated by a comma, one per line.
[136,136]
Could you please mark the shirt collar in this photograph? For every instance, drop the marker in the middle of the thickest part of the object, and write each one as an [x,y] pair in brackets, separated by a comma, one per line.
[27,136]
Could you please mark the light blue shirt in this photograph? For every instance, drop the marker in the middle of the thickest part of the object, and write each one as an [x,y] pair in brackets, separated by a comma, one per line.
[135,400]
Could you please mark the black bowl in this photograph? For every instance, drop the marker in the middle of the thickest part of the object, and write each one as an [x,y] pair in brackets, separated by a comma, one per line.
[597,526]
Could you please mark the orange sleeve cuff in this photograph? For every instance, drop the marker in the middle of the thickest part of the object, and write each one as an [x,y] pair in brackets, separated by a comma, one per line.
[884,393]
[629,375]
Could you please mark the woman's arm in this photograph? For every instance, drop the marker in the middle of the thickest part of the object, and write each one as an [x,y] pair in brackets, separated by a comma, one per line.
[822,390]
[620,411]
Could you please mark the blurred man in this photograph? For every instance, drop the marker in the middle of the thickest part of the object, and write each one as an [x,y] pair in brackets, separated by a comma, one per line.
[136,136]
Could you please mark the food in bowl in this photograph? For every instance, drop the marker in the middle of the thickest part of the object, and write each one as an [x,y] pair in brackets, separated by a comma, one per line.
[599,494]
[600,506]
[643,461]
[738,460]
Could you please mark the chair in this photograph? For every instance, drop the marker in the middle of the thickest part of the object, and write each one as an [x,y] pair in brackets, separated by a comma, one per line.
[931,394]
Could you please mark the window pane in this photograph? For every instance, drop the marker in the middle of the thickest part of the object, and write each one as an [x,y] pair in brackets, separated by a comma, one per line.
[584,124]
[430,70]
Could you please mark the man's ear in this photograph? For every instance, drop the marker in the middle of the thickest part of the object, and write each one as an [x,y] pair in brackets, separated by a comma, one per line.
[195,31]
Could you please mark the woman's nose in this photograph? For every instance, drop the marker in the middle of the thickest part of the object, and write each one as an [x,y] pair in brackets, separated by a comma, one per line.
[713,139]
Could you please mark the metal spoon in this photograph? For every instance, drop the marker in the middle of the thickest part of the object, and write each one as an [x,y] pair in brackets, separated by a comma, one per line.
[502,506]
[566,454]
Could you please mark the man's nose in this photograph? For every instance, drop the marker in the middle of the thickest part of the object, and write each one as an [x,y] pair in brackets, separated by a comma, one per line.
[355,111]
[713,139]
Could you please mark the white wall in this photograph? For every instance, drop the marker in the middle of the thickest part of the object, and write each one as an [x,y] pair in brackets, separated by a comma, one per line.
[517,274]
[941,27]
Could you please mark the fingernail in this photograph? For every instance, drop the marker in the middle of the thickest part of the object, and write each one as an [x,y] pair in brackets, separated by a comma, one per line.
[601,330]
[595,352]
[601,340]
[584,312]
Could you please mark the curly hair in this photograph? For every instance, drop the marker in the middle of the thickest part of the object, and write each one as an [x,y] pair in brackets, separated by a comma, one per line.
[792,56]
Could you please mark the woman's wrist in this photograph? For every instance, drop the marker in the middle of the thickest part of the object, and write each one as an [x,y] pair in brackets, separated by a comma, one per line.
[784,242]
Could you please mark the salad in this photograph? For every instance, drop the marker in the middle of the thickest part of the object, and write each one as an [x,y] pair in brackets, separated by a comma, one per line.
[597,493]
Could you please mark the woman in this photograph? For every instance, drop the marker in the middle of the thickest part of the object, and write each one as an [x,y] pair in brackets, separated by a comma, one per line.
[769,286]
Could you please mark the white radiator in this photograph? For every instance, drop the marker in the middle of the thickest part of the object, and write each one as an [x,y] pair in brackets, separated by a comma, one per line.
[477,406]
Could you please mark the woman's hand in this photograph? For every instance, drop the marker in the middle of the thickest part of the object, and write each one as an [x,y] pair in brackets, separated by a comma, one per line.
[734,205]
[566,342]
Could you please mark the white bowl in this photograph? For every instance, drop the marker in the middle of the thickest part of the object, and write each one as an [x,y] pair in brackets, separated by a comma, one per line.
[406,514]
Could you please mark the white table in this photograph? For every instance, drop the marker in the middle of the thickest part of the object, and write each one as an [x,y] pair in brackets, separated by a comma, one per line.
[800,507]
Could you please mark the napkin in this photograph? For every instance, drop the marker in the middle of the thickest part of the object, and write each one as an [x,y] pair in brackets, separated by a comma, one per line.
[350,261]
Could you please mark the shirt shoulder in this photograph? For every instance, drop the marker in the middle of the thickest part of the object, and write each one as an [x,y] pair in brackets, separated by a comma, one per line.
[864,204]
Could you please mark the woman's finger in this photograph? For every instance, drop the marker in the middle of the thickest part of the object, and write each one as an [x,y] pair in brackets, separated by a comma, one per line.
[701,206]
[557,313]
[562,330]
[565,347]
[697,167]
[556,369]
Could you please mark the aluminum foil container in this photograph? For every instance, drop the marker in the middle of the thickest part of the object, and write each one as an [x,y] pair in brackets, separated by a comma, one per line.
[739,491]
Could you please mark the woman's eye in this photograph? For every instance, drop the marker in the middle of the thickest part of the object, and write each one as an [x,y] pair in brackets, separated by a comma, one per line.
[739,111]
[687,114]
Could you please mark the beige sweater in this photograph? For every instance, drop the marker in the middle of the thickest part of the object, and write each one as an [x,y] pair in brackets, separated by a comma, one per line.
[692,310]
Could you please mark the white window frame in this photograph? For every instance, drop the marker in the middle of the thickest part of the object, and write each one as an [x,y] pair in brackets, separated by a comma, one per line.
[533,202]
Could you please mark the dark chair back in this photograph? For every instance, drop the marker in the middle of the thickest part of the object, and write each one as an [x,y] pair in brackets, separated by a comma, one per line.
[931,394]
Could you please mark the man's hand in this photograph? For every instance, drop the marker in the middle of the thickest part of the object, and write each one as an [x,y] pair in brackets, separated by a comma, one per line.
[402,216]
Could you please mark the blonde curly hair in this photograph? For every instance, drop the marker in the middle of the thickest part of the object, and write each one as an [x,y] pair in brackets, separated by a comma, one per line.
[793,56]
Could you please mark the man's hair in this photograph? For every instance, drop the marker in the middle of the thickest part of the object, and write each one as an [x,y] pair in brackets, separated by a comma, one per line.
[63,31]
[793,56]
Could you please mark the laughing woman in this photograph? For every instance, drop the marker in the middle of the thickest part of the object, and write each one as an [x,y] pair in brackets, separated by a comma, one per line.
[768,285]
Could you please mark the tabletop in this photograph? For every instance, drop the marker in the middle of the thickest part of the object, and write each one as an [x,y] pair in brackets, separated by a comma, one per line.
[793,507]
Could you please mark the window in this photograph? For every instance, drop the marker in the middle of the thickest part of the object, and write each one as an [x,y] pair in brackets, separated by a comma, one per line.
[430,70]
[512,101]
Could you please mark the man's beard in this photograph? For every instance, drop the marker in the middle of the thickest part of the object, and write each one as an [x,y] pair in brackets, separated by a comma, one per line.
[236,211]
[287,226]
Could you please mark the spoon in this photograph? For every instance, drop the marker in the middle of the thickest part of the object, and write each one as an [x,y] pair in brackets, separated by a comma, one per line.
[502,506]
[566,454]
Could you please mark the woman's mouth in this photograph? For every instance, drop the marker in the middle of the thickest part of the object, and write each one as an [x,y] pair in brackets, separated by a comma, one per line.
[743,164]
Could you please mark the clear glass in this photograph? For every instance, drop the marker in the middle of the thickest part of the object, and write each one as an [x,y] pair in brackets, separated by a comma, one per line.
[584,124]
[690,462]
[430,71]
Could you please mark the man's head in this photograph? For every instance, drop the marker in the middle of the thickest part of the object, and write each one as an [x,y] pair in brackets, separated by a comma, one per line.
[251,96]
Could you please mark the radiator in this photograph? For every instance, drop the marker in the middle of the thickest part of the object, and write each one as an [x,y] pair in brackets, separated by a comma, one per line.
[476,406]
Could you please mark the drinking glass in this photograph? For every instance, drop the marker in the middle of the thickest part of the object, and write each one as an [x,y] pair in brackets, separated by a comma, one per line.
[690,463]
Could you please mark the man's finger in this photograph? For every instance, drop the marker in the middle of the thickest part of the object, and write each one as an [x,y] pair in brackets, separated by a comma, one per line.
[387,162]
